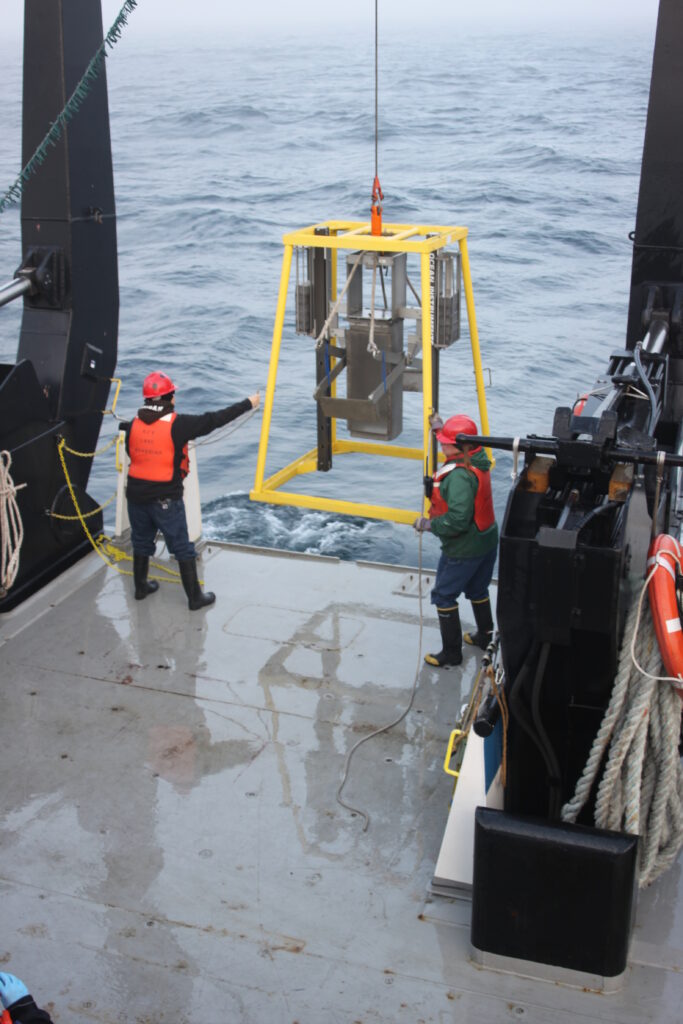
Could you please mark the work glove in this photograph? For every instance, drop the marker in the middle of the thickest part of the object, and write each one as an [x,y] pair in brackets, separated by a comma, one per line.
[435,421]
[11,989]
[422,524]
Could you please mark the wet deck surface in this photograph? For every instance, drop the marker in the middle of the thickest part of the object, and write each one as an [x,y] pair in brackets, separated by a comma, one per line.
[171,847]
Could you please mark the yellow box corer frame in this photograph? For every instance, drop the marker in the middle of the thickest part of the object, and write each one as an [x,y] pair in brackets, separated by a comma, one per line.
[355,235]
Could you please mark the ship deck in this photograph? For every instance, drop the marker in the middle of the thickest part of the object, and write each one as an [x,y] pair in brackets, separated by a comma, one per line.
[171,845]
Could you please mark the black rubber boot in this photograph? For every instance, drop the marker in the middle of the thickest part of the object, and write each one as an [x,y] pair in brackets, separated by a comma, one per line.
[143,586]
[196,598]
[451,638]
[484,621]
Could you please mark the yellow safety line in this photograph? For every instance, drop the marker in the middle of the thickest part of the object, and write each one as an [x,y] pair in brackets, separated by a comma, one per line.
[98,544]
[103,545]
[88,455]
[86,515]
[61,447]
[122,556]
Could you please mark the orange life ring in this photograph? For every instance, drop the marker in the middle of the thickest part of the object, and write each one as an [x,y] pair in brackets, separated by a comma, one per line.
[664,557]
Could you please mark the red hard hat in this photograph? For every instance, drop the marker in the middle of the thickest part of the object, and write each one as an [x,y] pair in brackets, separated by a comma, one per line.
[454,426]
[157,384]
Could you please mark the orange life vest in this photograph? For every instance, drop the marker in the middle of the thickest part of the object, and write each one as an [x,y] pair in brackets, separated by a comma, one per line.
[152,452]
[484,515]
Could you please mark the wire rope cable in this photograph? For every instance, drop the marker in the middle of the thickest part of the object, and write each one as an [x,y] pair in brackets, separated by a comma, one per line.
[227,430]
[396,721]
[376,91]
[404,713]
[648,387]
[321,337]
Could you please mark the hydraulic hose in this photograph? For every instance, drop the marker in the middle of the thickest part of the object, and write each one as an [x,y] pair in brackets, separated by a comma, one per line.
[537,660]
[648,387]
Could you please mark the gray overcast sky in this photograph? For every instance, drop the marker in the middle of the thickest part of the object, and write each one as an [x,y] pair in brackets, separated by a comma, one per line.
[162,16]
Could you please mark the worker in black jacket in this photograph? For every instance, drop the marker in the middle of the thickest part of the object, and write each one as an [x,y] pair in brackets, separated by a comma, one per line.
[156,442]
[19,1005]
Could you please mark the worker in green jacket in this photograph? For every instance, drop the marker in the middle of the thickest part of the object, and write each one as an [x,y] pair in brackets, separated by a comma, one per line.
[461,515]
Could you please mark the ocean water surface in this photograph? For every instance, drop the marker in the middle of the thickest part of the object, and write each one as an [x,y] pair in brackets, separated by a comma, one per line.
[533,141]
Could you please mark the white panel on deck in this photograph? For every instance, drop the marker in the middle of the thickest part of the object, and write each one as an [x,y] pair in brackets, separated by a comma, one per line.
[454,865]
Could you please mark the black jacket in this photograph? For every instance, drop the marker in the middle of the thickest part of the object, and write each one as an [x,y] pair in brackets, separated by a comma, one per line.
[25,1011]
[185,428]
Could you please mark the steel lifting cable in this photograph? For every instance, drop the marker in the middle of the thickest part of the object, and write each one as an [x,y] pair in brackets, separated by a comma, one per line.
[321,337]
[396,721]
[225,432]
[376,93]
[377,194]
[497,686]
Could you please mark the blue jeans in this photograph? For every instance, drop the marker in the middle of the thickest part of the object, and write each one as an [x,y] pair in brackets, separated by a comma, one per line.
[167,516]
[455,575]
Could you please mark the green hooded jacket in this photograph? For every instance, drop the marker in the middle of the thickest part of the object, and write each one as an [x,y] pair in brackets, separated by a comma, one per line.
[456,529]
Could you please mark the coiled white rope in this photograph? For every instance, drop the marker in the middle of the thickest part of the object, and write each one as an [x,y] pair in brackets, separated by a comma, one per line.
[11,526]
[641,789]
